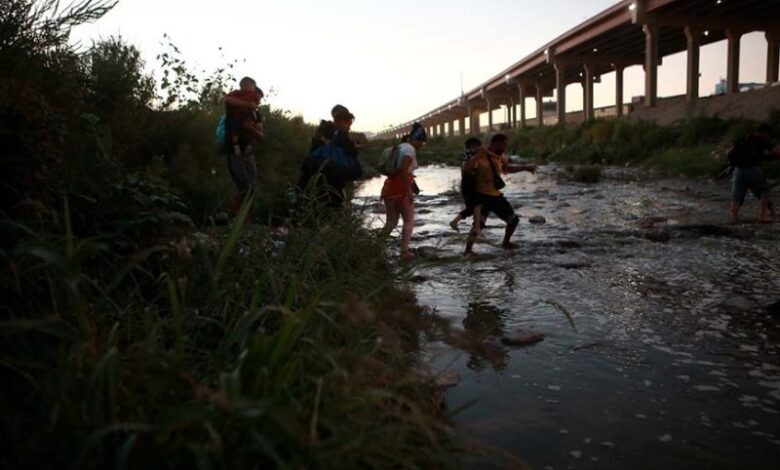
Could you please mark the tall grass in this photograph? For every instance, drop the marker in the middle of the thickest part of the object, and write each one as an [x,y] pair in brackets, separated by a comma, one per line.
[222,350]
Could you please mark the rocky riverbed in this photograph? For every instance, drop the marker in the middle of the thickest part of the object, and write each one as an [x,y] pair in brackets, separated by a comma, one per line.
[659,322]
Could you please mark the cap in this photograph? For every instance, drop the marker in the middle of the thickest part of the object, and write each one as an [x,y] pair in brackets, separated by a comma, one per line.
[341,112]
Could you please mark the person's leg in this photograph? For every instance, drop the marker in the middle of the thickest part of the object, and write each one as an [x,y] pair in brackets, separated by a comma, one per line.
[505,211]
[392,212]
[476,228]
[511,225]
[760,187]
[465,213]
[407,213]
[738,191]
[454,222]
[763,211]
[249,175]
[734,212]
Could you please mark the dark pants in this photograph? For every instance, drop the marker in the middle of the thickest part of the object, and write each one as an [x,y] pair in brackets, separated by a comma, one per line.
[243,169]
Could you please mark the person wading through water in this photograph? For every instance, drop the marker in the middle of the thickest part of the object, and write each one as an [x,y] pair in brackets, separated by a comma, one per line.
[746,156]
[399,189]
[487,168]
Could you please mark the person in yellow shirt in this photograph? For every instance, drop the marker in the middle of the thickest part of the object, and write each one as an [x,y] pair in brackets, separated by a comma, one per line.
[487,168]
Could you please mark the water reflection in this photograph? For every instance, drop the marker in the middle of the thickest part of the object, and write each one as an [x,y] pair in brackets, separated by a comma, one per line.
[484,328]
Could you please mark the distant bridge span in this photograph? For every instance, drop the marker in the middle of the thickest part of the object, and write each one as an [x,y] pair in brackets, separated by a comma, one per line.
[633,32]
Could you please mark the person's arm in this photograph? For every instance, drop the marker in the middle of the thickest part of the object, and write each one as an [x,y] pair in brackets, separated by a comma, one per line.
[406,163]
[519,168]
[238,102]
[259,129]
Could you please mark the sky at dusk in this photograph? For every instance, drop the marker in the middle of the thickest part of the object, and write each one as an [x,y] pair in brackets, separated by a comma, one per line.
[389,62]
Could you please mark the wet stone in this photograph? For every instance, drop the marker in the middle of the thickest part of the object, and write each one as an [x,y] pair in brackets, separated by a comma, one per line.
[773,309]
[568,244]
[651,222]
[441,378]
[522,338]
[537,220]
[658,236]
[447,379]
[737,303]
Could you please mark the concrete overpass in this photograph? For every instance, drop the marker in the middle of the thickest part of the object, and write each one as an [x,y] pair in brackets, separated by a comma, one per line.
[633,32]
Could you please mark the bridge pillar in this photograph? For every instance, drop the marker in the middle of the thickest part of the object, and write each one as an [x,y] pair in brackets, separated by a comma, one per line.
[512,114]
[772,55]
[539,103]
[521,100]
[474,126]
[588,92]
[450,128]
[440,131]
[560,88]
[732,66]
[692,36]
[651,64]
[618,90]
[490,116]
[462,127]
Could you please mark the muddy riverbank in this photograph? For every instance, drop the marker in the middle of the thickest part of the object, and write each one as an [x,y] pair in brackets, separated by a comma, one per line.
[660,349]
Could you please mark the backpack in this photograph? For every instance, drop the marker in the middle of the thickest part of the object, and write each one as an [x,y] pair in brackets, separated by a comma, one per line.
[221,131]
[390,161]
[333,162]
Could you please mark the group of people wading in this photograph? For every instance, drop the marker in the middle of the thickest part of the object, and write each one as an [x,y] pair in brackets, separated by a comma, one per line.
[333,165]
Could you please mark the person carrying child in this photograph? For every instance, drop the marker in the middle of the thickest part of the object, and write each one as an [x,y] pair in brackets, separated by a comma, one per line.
[487,167]
[468,188]
[243,127]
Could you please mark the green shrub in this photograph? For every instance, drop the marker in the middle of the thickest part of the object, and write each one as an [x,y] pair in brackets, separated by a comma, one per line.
[586,174]
[686,161]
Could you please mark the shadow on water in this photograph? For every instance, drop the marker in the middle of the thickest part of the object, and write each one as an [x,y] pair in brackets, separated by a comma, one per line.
[660,350]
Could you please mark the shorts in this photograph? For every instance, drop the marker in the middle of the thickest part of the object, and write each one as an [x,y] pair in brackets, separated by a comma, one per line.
[751,178]
[243,169]
[497,205]
[470,199]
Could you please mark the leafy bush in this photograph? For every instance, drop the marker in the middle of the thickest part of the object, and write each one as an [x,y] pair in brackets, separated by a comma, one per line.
[586,174]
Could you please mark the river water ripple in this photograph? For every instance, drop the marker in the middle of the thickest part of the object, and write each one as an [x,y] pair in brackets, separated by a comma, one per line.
[672,355]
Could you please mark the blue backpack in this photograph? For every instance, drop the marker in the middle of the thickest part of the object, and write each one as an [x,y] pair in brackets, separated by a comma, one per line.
[221,131]
[332,159]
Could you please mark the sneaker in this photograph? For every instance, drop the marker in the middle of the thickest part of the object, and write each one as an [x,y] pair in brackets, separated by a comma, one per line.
[454,225]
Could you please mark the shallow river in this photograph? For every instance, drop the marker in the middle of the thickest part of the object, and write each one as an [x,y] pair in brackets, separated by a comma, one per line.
[661,349]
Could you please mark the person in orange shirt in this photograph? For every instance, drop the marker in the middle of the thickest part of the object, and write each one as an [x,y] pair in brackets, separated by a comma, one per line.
[399,189]
[487,168]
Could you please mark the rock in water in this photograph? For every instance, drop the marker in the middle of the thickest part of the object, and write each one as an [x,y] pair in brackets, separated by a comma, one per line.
[737,304]
[651,222]
[774,309]
[537,219]
[441,378]
[659,236]
[447,378]
[522,338]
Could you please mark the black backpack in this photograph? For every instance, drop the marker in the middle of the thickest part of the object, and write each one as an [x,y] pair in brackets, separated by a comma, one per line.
[739,154]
